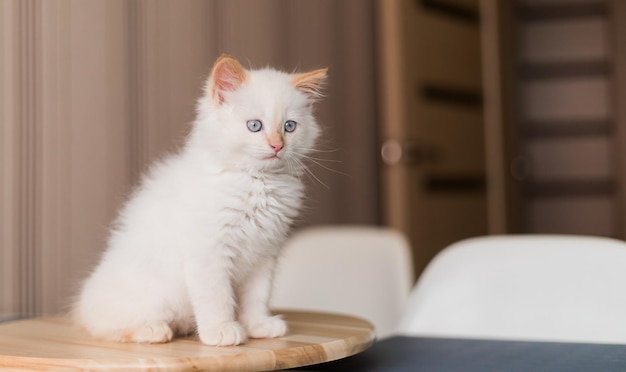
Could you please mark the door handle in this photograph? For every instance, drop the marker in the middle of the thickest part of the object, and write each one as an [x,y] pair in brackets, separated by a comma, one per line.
[395,152]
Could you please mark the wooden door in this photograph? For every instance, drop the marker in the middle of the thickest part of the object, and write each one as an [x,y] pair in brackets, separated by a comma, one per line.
[432,125]
[554,111]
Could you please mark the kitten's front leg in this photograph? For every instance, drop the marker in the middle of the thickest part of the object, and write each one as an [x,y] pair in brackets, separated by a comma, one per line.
[213,301]
[254,295]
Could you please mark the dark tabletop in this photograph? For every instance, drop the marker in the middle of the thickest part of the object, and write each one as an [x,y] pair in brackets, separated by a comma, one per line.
[441,354]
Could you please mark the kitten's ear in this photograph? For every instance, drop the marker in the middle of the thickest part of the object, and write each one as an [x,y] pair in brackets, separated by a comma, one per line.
[227,75]
[311,83]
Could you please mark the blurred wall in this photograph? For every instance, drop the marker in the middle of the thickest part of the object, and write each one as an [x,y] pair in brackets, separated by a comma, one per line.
[91,92]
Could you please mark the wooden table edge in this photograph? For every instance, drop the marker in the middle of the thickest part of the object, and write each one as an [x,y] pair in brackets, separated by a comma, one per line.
[255,355]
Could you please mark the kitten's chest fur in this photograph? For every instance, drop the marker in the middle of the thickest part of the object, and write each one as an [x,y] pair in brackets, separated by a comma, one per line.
[253,212]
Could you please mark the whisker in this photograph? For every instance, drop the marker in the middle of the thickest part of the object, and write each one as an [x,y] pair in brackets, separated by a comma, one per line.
[315,161]
[309,173]
[316,150]
[322,159]
[291,168]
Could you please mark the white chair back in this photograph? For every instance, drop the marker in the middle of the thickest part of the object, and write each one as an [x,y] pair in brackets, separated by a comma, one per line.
[357,270]
[525,287]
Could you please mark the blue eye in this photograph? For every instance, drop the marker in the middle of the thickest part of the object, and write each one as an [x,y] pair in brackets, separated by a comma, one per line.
[290,126]
[254,125]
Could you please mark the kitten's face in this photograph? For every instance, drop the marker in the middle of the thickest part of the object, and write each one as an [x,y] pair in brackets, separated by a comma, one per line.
[264,117]
[270,121]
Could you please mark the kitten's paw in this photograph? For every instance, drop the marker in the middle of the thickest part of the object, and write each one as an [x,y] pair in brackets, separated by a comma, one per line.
[149,334]
[225,334]
[267,327]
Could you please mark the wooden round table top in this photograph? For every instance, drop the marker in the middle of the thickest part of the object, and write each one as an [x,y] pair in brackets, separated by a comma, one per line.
[55,344]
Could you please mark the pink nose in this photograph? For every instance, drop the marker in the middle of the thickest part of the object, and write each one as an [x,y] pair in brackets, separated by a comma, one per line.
[276,147]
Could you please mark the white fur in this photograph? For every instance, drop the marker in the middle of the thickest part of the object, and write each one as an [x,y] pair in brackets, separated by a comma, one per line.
[196,245]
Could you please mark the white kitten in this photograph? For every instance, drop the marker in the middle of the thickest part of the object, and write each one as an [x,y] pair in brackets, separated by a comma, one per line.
[196,245]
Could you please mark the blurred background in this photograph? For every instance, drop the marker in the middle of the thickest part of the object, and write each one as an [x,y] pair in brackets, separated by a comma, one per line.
[443,119]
